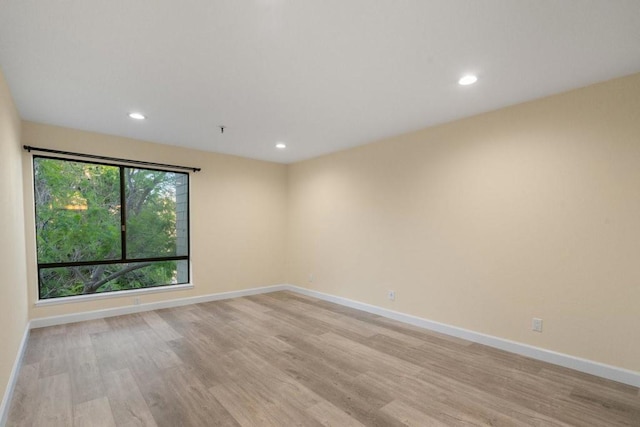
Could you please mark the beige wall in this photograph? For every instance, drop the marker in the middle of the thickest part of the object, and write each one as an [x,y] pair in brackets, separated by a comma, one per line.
[237,212]
[13,290]
[486,222]
[482,223]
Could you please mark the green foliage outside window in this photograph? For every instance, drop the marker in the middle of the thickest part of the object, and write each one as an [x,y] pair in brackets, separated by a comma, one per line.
[80,221]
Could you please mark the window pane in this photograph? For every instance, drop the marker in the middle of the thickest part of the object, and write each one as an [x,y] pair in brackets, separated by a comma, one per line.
[79,223]
[68,281]
[77,211]
[156,208]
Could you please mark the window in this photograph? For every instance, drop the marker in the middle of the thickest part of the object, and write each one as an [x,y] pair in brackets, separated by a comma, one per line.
[105,228]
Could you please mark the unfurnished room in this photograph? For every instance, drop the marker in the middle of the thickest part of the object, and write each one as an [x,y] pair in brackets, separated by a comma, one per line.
[320,213]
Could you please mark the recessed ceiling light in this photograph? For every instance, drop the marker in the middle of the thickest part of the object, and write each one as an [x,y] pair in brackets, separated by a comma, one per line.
[469,79]
[137,116]
[281,145]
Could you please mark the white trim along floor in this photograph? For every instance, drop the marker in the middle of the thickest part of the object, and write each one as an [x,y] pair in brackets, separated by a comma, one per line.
[583,365]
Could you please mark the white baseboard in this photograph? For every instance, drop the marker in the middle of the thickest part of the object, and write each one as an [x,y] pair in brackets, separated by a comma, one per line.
[13,378]
[579,364]
[129,309]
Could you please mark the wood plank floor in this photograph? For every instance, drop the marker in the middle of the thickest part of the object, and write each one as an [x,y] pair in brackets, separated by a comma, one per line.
[283,359]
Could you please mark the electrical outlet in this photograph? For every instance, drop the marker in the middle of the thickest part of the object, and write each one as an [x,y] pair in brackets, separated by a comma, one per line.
[391,295]
[310,277]
[536,324]
[136,301]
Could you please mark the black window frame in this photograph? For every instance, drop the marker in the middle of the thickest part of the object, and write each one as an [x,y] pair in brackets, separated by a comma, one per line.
[123,230]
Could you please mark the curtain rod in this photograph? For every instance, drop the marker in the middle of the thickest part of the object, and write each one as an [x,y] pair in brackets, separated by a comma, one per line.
[115,159]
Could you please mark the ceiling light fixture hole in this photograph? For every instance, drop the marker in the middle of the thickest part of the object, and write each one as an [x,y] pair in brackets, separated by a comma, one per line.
[467,80]
[137,116]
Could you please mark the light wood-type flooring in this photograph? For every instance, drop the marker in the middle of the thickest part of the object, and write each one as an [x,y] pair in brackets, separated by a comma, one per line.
[283,359]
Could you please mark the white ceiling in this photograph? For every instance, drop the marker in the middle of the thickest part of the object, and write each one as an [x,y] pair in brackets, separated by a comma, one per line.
[320,75]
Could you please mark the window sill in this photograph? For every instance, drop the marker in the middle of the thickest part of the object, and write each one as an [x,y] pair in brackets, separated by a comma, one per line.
[111,295]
